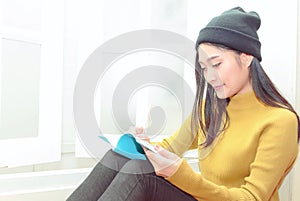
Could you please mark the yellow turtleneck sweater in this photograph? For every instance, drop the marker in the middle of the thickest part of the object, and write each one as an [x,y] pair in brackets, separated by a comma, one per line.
[248,161]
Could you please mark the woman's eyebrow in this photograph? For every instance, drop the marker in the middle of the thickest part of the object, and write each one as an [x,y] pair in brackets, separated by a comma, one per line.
[209,59]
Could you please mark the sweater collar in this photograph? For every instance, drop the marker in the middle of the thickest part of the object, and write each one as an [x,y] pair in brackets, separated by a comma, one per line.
[243,101]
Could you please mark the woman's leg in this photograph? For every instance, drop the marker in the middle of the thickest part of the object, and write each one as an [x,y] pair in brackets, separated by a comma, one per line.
[137,181]
[100,178]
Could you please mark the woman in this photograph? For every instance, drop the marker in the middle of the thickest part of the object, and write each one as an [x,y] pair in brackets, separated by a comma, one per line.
[246,133]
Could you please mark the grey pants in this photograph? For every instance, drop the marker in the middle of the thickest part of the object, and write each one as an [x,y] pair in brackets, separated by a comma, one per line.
[116,178]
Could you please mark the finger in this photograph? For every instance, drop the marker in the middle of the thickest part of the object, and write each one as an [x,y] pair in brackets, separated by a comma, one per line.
[143,137]
[164,152]
[163,166]
[155,162]
[153,157]
[139,130]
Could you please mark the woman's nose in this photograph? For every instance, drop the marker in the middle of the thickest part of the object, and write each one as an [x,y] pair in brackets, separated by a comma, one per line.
[211,74]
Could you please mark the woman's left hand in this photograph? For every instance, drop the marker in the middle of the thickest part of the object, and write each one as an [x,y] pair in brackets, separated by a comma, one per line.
[164,162]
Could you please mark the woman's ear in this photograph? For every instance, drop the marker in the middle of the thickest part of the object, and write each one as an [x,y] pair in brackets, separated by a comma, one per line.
[246,59]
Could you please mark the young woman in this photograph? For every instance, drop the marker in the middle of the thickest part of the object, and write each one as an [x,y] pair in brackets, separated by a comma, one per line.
[246,133]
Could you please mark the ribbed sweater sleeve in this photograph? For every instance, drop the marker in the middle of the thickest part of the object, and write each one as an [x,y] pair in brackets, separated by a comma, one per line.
[182,140]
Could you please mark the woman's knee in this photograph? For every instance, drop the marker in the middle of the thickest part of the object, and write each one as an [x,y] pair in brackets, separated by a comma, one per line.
[137,167]
[113,160]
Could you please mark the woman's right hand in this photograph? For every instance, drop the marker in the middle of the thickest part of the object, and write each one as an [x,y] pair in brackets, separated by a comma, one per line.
[140,132]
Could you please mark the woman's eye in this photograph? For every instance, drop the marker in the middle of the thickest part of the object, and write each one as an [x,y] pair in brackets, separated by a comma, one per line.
[216,65]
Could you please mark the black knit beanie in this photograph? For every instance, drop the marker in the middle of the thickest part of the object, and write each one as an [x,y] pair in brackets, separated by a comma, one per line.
[235,29]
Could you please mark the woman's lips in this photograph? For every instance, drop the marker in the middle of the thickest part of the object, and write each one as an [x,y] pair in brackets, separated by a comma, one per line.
[218,87]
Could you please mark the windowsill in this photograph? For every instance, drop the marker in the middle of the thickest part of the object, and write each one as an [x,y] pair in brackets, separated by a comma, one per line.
[68,161]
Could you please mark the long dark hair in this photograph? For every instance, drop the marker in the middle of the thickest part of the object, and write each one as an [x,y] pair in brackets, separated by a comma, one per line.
[209,112]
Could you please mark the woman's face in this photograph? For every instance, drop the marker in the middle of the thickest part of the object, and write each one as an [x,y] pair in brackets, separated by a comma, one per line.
[225,70]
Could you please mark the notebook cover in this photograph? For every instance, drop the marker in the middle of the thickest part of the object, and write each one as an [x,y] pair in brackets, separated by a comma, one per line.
[128,147]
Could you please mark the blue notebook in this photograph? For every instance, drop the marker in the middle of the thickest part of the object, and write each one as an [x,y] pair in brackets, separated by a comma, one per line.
[128,146]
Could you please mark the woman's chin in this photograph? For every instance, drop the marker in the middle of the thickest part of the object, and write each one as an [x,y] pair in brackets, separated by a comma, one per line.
[221,95]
